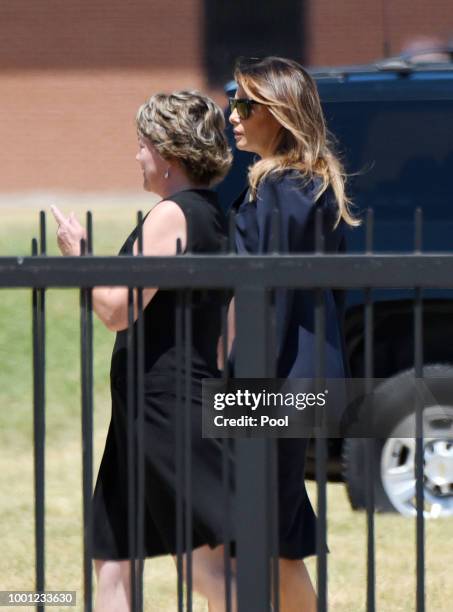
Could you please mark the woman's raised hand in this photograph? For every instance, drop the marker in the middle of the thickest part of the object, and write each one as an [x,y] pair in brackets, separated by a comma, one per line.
[69,233]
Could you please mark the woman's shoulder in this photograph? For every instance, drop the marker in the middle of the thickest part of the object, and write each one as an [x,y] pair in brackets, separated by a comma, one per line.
[291,178]
[194,197]
[206,221]
[291,185]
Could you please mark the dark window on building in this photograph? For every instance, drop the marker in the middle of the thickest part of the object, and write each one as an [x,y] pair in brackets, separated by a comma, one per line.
[252,29]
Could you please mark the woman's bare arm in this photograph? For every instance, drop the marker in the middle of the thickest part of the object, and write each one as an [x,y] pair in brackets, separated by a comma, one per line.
[230,335]
[164,225]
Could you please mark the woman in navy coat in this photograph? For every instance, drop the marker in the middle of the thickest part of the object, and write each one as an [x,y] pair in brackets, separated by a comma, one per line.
[276,114]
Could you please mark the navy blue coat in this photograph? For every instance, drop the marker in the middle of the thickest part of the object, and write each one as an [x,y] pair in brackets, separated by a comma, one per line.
[294,197]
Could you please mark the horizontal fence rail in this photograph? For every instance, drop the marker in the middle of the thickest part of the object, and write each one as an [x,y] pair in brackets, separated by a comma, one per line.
[318,271]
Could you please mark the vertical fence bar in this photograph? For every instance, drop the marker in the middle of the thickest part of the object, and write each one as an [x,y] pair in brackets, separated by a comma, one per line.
[229,448]
[187,427]
[369,441]
[252,460]
[321,442]
[89,241]
[131,450]
[39,427]
[226,476]
[42,308]
[42,233]
[419,451]
[276,248]
[188,445]
[86,354]
[179,441]
[140,428]
[274,524]
[226,471]
[42,325]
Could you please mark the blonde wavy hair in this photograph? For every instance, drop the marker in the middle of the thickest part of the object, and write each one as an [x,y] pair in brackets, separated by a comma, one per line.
[291,96]
[189,127]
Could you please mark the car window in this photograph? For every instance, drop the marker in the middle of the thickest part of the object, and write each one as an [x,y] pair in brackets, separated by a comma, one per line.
[401,158]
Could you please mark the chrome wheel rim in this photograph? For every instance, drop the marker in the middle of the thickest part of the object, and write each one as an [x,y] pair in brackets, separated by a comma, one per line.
[398,465]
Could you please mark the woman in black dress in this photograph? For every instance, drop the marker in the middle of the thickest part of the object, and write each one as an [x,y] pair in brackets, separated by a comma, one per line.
[276,114]
[182,152]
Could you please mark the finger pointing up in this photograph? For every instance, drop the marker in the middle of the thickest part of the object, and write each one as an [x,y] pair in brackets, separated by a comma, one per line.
[59,217]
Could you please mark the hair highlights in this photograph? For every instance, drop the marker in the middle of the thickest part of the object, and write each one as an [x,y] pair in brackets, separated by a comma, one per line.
[189,127]
[291,96]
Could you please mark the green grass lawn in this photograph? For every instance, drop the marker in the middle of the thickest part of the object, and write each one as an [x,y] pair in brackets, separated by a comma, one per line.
[395,536]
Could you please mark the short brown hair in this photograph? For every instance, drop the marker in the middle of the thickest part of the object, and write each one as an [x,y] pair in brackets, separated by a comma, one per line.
[190,127]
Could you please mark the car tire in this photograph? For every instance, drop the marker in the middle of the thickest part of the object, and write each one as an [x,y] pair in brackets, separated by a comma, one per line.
[394,449]
[354,474]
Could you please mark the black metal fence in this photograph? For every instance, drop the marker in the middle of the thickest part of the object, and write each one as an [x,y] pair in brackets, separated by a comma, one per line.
[251,278]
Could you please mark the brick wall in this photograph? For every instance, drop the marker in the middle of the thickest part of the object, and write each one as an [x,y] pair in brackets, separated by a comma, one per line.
[99,33]
[355,31]
[73,73]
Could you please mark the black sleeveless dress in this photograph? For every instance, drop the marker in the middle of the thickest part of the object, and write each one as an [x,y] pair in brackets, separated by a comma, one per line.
[207,234]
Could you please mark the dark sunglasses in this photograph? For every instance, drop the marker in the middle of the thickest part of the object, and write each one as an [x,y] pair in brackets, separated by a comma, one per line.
[243,106]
